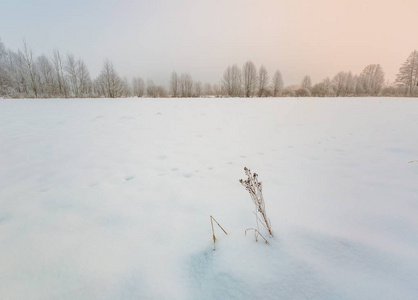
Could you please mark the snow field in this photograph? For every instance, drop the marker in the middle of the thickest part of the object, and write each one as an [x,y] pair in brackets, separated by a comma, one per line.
[110,198]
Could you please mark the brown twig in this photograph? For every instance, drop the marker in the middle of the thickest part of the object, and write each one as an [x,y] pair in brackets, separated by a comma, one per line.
[213,231]
[256,232]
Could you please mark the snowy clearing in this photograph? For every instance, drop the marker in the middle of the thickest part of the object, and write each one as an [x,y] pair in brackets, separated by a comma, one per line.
[110,199]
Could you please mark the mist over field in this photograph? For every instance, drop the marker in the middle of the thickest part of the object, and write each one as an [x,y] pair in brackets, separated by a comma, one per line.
[324,48]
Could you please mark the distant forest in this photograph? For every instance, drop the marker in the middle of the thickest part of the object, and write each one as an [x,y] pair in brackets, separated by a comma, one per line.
[23,75]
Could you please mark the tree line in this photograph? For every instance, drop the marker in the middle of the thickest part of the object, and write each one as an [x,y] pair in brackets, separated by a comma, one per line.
[22,75]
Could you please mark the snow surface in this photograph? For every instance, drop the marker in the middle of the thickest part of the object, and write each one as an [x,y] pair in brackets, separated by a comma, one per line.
[110,199]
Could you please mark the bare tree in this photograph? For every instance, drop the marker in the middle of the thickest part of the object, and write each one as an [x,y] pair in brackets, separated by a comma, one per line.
[197,87]
[263,81]
[24,75]
[277,83]
[372,79]
[6,80]
[3,54]
[9,73]
[78,77]
[189,85]
[109,84]
[155,91]
[408,74]
[186,85]
[127,89]
[351,84]
[394,90]
[182,85]
[59,74]
[71,74]
[208,89]
[174,85]
[218,90]
[47,76]
[340,84]
[249,74]
[138,87]
[227,81]
[83,79]
[328,88]
[306,82]
[27,55]
[303,92]
[161,91]
[151,89]
[21,72]
[318,90]
[231,81]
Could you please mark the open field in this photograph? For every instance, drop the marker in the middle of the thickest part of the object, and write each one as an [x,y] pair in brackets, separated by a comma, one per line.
[110,198]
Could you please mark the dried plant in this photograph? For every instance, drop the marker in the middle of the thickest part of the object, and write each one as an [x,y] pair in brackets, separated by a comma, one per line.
[213,231]
[256,233]
[255,187]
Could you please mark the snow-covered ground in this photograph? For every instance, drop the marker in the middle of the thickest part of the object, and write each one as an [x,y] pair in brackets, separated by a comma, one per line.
[110,199]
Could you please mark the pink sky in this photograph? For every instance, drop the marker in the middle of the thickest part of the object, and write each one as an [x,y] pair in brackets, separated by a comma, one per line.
[153,38]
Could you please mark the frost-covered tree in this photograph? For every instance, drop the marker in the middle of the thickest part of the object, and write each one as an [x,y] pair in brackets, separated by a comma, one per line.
[227,81]
[47,77]
[344,84]
[78,77]
[6,79]
[323,89]
[277,84]
[71,75]
[3,53]
[127,88]
[306,82]
[186,85]
[109,84]
[28,62]
[174,85]
[249,78]
[394,90]
[207,89]
[161,91]
[60,79]
[218,90]
[138,87]
[197,89]
[408,74]
[151,89]
[328,88]
[155,91]
[372,79]
[303,92]
[19,73]
[263,81]
[339,83]
[318,90]
[84,79]
[231,81]
[352,82]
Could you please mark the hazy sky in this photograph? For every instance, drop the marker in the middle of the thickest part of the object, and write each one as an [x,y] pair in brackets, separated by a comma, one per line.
[153,38]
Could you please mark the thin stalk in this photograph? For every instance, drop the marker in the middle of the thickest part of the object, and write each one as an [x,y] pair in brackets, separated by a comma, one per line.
[255,230]
[213,231]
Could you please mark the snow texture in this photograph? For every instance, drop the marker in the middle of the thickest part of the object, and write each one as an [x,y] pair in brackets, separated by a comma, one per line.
[110,199]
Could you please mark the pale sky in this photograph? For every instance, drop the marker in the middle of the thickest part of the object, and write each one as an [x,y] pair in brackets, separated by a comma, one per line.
[152,38]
